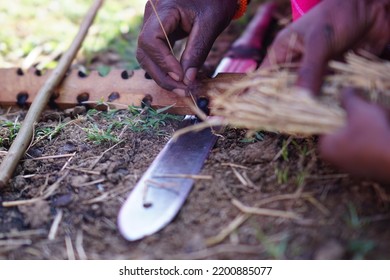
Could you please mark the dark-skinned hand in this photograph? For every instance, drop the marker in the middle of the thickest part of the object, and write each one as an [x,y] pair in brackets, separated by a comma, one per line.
[326,32]
[362,146]
[201,20]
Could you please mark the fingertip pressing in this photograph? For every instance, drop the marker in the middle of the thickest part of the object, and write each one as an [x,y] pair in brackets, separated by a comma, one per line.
[190,75]
[174,76]
[310,78]
[180,92]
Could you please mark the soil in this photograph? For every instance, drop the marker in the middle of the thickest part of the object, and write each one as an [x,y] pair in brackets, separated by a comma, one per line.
[331,214]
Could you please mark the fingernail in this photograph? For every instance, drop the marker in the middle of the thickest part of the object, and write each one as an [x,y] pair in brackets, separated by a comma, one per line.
[190,75]
[179,91]
[174,76]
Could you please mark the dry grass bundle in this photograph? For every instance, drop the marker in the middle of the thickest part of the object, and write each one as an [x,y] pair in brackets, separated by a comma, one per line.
[267,100]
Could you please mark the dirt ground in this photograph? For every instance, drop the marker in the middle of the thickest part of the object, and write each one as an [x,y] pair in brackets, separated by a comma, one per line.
[330,215]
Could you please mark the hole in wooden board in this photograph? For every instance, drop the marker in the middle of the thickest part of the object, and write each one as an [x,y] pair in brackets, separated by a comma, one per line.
[21,99]
[52,101]
[147,101]
[82,97]
[113,96]
[147,76]
[81,74]
[127,74]
[38,72]
[19,72]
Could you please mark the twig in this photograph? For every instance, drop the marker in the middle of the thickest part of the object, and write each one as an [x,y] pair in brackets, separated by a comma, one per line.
[221,249]
[69,248]
[161,25]
[45,195]
[107,195]
[102,154]
[53,157]
[24,233]
[21,202]
[15,242]
[54,226]
[29,176]
[79,246]
[318,205]
[84,170]
[67,162]
[234,165]
[50,190]
[264,211]
[91,183]
[279,197]
[25,134]
[240,177]
[238,221]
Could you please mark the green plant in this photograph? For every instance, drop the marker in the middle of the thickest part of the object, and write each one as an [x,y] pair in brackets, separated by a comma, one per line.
[282,175]
[10,131]
[301,177]
[352,218]
[256,137]
[115,30]
[276,249]
[48,132]
[303,150]
[145,119]
[285,150]
[98,135]
[360,248]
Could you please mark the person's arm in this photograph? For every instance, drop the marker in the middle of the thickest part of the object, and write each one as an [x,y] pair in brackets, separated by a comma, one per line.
[362,147]
[326,32]
[201,20]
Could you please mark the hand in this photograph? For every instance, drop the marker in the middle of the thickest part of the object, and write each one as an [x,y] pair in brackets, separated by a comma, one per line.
[201,20]
[326,32]
[362,146]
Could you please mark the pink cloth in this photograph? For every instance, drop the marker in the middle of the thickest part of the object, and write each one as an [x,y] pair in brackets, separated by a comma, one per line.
[300,7]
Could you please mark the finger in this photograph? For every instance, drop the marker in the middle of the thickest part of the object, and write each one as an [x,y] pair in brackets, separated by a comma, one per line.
[314,63]
[200,41]
[162,78]
[147,12]
[360,111]
[349,99]
[153,42]
[329,147]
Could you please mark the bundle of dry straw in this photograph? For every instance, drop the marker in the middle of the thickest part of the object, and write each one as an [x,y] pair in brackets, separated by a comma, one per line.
[267,100]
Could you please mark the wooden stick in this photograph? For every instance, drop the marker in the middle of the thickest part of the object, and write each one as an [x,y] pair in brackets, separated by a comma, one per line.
[25,134]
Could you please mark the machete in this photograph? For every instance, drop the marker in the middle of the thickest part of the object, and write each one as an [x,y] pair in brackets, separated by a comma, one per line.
[160,193]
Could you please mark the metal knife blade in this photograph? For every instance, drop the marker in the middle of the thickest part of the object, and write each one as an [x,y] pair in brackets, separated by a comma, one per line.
[153,204]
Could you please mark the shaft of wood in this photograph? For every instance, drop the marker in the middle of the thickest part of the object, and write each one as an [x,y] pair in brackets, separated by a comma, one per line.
[25,134]
[119,89]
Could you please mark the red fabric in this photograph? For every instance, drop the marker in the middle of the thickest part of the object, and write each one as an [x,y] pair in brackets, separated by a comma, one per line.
[300,7]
